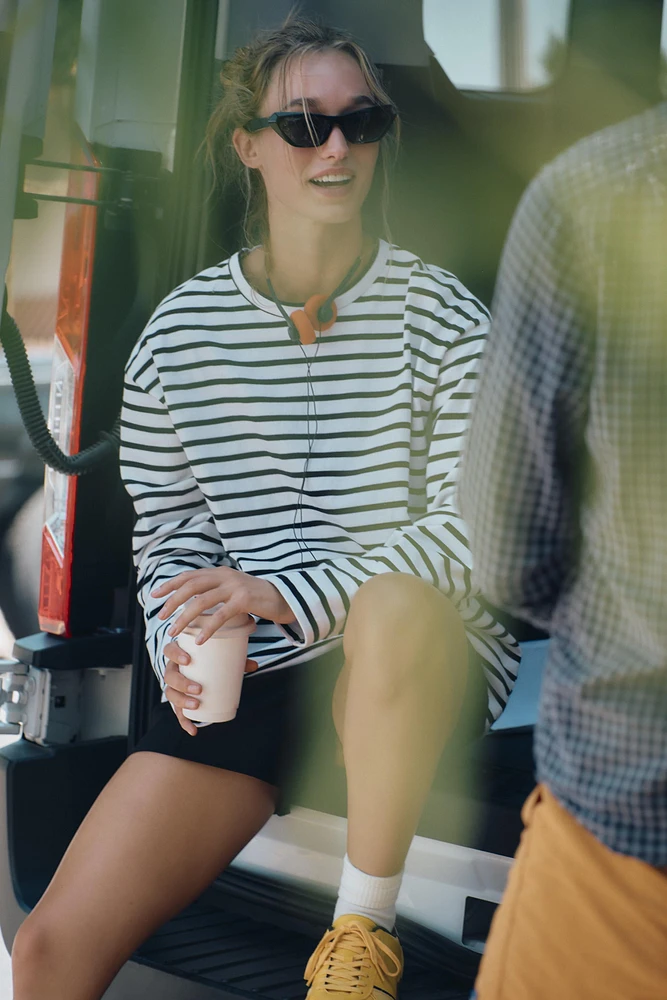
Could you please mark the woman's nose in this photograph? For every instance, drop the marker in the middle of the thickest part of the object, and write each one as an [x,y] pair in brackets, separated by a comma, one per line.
[336,145]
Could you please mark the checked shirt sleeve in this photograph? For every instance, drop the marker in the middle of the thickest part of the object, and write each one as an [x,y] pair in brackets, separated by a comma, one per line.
[433,547]
[174,529]
[521,479]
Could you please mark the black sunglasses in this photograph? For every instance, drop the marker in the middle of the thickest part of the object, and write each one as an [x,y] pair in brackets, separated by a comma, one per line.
[299,129]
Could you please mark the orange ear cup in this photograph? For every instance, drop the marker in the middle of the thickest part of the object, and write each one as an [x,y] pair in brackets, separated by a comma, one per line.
[304,326]
[314,303]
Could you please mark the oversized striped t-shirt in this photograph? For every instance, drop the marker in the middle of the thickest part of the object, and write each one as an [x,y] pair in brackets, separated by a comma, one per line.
[314,467]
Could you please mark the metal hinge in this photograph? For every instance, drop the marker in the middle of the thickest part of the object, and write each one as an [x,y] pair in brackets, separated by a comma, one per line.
[129,188]
[43,705]
[15,688]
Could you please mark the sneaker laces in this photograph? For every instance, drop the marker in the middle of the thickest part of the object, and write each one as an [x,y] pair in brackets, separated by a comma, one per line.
[364,952]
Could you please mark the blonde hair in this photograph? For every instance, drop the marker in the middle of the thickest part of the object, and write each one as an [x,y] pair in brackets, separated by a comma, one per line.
[245,79]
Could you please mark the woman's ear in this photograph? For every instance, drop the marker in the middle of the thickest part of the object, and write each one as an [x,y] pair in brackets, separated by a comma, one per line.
[246,148]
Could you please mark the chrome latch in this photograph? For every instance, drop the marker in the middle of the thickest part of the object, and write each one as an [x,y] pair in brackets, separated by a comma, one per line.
[15,689]
[43,705]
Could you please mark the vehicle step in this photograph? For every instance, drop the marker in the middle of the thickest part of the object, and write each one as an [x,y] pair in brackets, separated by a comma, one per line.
[250,936]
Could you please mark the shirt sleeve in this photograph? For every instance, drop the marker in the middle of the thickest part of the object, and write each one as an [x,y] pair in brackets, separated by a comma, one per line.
[174,529]
[522,475]
[433,547]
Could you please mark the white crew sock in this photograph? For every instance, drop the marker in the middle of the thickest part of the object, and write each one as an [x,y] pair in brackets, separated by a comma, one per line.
[368,895]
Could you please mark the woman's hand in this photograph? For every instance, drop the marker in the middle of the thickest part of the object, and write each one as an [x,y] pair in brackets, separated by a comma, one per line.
[239,592]
[182,692]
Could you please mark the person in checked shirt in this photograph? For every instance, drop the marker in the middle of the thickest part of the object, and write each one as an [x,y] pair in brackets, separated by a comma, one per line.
[565,492]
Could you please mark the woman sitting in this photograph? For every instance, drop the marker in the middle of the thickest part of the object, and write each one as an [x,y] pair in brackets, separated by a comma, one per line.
[292,429]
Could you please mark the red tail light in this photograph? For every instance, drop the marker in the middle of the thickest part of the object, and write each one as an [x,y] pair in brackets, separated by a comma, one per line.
[67,377]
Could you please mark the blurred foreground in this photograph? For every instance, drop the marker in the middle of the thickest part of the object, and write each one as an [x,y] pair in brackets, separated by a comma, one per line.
[5,962]
[6,639]
[6,642]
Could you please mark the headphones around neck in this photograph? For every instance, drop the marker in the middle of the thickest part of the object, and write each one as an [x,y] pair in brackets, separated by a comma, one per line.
[318,314]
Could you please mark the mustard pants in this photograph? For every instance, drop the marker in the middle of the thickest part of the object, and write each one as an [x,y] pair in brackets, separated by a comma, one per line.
[577,921]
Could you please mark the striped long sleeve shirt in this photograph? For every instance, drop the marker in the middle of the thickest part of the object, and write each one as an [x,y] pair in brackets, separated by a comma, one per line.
[314,467]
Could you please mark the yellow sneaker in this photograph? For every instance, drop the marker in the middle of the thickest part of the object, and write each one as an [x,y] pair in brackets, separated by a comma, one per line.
[355,960]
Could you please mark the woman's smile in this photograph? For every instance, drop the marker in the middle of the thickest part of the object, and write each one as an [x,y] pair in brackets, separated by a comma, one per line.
[333,182]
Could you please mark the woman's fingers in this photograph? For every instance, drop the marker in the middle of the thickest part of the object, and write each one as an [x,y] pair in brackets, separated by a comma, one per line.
[181,692]
[174,583]
[176,655]
[194,610]
[186,592]
[198,594]
[186,724]
[217,620]
[180,699]
[175,679]
[195,580]
[197,605]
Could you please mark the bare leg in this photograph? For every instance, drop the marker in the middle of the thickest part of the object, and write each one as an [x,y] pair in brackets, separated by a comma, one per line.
[396,703]
[156,837]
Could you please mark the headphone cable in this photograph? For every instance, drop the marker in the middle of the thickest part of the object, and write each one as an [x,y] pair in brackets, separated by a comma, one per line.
[324,315]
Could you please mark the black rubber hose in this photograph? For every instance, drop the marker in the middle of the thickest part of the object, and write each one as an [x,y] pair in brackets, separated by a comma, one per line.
[33,418]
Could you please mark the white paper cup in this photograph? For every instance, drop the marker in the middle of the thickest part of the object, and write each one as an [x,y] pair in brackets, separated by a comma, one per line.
[218,665]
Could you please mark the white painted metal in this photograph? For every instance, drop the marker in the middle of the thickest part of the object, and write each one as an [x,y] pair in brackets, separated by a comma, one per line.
[13,695]
[53,707]
[25,102]
[222,29]
[128,73]
[38,17]
[60,706]
[307,848]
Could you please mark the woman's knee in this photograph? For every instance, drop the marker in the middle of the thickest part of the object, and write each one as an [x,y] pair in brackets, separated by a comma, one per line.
[38,944]
[393,606]
[400,629]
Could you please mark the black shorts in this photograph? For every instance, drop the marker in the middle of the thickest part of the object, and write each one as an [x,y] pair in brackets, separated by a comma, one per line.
[283,732]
